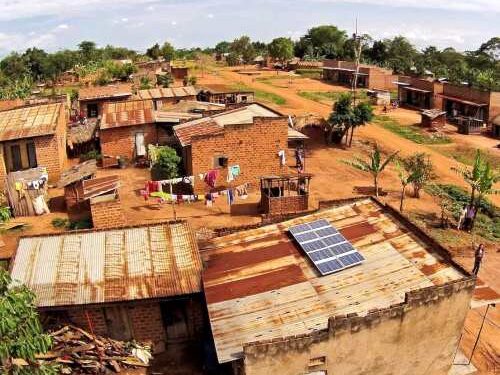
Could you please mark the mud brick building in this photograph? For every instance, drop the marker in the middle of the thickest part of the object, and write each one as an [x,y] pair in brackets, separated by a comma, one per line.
[460,102]
[249,137]
[91,99]
[222,95]
[32,137]
[140,283]
[369,76]
[400,311]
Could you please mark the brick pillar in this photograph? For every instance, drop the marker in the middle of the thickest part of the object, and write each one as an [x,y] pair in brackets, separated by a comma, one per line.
[107,214]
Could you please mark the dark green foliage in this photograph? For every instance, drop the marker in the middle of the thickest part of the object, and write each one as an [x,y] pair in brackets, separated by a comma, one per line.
[92,154]
[21,334]
[4,213]
[167,163]
[165,80]
[60,222]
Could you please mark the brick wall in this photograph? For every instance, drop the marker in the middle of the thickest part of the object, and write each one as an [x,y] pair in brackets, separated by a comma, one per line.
[285,205]
[107,214]
[96,317]
[147,324]
[121,141]
[254,147]
[494,109]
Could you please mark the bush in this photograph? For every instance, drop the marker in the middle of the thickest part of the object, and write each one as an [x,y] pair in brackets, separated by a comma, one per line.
[60,223]
[93,154]
[167,164]
[4,214]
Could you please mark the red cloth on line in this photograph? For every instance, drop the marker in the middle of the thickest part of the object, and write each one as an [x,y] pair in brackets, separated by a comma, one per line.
[211,177]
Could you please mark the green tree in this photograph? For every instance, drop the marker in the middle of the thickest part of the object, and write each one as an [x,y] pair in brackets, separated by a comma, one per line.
[36,62]
[154,52]
[145,83]
[401,55]
[378,52]
[88,51]
[222,47]
[243,48]
[375,165]
[405,177]
[21,334]
[167,51]
[281,49]
[165,79]
[473,176]
[324,41]
[16,89]
[167,163]
[420,166]
[14,66]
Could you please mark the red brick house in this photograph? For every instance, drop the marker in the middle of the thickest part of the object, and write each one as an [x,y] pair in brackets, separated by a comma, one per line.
[33,136]
[249,137]
[140,283]
[126,128]
[91,99]
[369,76]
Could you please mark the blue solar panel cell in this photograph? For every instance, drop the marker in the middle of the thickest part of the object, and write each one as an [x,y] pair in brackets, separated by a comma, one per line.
[313,246]
[342,248]
[299,229]
[319,224]
[319,255]
[350,259]
[329,267]
[307,236]
[324,232]
[333,240]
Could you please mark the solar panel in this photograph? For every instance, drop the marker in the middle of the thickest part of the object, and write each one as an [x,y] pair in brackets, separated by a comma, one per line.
[327,248]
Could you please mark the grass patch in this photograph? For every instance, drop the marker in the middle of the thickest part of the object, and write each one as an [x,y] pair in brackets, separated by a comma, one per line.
[487,223]
[262,95]
[4,265]
[466,155]
[411,132]
[332,96]
[310,73]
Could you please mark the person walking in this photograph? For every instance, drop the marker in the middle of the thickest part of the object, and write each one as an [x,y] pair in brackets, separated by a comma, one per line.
[478,258]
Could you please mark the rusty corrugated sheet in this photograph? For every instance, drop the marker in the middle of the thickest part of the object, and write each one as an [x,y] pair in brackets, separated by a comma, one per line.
[105,92]
[122,264]
[259,286]
[201,127]
[29,121]
[171,92]
[98,186]
[128,113]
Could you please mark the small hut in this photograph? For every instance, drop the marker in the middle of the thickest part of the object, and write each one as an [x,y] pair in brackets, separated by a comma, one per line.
[27,191]
[72,181]
[105,205]
[433,118]
[286,194]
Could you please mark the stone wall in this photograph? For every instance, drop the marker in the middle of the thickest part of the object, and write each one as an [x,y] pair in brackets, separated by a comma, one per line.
[419,336]
[254,147]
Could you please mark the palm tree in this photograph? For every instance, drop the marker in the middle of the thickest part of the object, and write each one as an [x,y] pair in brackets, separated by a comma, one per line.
[375,166]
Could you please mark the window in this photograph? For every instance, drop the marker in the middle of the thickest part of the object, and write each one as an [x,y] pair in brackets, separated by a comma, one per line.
[15,154]
[30,148]
[220,162]
[92,110]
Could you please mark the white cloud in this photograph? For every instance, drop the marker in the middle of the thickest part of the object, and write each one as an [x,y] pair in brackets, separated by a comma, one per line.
[210,15]
[173,23]
[63,26]
[458,5]
[19,42]
[124,19]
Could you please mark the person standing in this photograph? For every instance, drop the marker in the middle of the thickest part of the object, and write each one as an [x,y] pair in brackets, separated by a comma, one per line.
[461,219]
[478,258]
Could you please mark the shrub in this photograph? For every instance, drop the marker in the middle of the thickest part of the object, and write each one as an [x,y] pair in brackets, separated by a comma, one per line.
[93,154]
[60,222]
[4,214]
[167,163]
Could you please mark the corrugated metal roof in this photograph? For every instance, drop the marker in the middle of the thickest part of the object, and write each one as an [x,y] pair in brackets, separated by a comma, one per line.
[215,124]
[99,186]
[128,113]
[122,264]
[29,121]
[78,172]
[171,92]
[258,285]
[105,92]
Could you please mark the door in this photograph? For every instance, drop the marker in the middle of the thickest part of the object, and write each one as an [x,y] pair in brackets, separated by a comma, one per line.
[118,323]
[140,147]
[175,319]
[92,110]
[30,148]
[15,155]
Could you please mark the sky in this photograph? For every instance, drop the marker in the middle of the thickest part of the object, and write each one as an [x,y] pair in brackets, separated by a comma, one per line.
[138,24]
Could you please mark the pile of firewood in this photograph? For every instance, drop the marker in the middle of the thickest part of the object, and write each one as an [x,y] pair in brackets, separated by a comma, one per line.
[79,352]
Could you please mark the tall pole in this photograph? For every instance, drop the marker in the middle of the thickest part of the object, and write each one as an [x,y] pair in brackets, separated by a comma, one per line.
[357,57]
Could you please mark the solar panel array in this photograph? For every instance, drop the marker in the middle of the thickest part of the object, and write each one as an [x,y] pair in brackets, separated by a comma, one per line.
[325,246]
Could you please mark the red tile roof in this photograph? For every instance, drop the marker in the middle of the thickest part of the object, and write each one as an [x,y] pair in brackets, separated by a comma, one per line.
[201,127]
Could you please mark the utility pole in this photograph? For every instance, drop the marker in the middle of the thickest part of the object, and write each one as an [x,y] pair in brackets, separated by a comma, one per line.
[357,57]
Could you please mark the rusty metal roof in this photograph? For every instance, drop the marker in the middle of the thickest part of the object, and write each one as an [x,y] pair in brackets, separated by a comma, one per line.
[78,172]
[171,92]
[127,113]
[215,124]
[99,186]
[258,285]
[29,122]
[105,92]
[99,266]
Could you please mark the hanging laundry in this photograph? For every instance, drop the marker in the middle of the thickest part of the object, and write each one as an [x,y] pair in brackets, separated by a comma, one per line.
[230,176]
[282,156]
[235,170]
[211,177]
[230,197]
[209,200]
[242,191]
